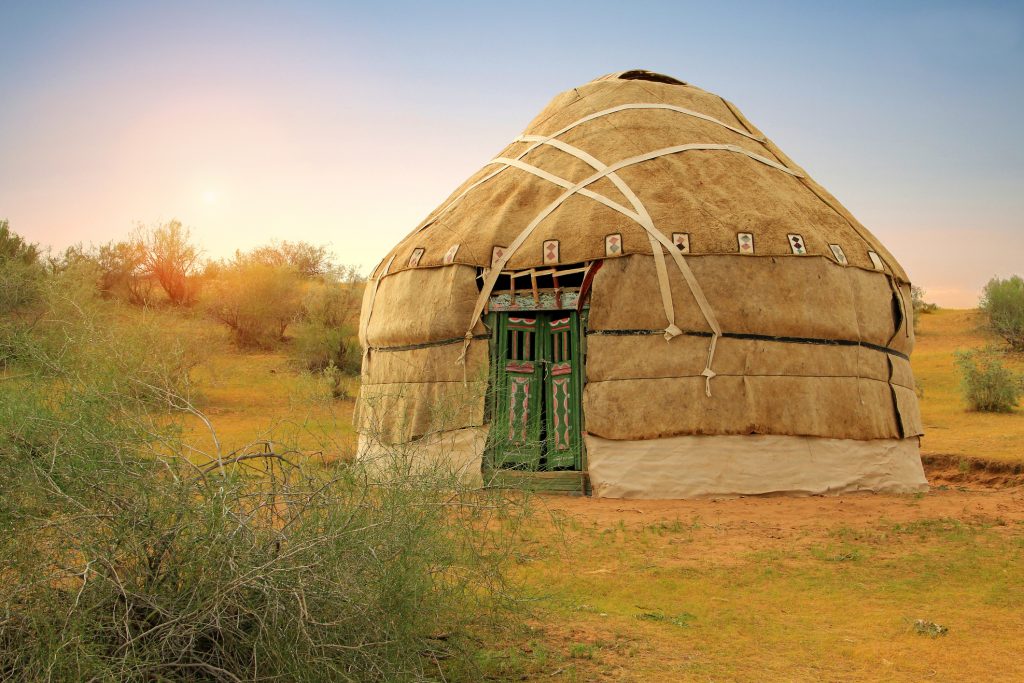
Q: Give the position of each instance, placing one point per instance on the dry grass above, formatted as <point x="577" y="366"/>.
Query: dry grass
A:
<point x="749" y="589"/>
<point x="950" y="428"/>
<point x="252" y="396"/>
<point x="776" y="589"/>
<point x="256" y="396"/>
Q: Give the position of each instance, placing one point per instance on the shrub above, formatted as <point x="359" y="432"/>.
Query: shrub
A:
<point x="123" y="559"/>
<point x="1002" y="301"/>
<point x="920" y="306"/>
<point x="327" y="336"/>
<point x="987" y="385"/>
<point x="21" y="272"/>
<point x="256" y="301"/>
<point x="172" y="260"/>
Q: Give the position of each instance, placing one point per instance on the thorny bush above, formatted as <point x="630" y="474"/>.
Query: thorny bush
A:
<point x="124" y="555"/>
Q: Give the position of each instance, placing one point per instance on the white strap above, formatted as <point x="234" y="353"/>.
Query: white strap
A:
<point x="645" y="221"/>
<point x="578" y="122"/>
<point x="641" y="216"/>
<point x="495" y="270"/>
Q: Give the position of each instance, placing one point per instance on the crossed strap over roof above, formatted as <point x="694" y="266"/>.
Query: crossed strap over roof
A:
<point x="637" y="213"/>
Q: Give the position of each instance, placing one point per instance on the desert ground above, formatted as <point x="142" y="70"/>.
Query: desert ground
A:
<point x="850" y="588"/>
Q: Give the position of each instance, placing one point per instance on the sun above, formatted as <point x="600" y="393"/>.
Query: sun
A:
<point x="211" y="196"/>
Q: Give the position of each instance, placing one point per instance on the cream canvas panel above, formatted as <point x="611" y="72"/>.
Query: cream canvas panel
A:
<point x="457" y="453"/>
<point x="722" y="466"/>
<point x="831" y="407"/>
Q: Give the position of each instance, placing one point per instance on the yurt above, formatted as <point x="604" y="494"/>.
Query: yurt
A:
<point x="642" y="296"/>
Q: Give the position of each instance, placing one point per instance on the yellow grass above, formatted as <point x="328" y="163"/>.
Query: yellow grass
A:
<point x="775" y="589"/>
<point x="949" y="427"/>
<point x="251" y="396"/>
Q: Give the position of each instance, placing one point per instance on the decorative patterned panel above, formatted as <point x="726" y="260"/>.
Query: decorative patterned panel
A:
<point x="613" y="245"/>
<point x="682" y="241"/>
<point x="550" y="252"/>
<point x="449" y="256"/>
<point x="840" y="255"/>
<point x="519" y="409"/>
<point x="745" y="242"/>
<point x="797" y="244"/>
<point x="414" y="259"/>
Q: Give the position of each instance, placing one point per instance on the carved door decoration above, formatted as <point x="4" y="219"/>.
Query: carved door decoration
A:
<point x="562" y="392"/>
<point x="537" y="386"/>
<point x="518" y="393"/>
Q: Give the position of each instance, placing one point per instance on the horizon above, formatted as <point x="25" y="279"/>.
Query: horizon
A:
<point x="346" y="125"/>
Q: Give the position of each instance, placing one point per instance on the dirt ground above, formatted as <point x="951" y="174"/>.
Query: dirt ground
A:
<point x="858" y="587"/>
<point x="757" y="515"/>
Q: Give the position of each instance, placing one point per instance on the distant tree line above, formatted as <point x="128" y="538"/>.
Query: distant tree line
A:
<point x="293" y="293"/>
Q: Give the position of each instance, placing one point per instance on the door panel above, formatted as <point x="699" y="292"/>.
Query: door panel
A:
<point x="537" y="384"/>
<point x="518" y="398"/>
<point x="562" y="391"/>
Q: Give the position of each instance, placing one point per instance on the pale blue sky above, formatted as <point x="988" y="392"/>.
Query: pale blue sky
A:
<point x="347" y="123"/>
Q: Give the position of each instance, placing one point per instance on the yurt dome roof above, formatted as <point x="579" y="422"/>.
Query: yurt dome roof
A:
<point x="686" y="158"/>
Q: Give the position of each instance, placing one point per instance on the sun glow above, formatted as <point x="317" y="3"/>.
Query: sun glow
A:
<point x="211" y="197"/>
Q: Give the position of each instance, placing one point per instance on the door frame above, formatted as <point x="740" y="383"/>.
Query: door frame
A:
<point x="498" y="458"/>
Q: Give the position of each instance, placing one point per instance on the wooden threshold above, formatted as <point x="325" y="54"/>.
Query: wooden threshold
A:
<point x="573" y="483"/>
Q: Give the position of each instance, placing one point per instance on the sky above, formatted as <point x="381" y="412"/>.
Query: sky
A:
<point x="346" y="123"/>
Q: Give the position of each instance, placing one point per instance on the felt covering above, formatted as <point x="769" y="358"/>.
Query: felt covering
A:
<point x="786" y="296"/>
<point x="711" y="195"/>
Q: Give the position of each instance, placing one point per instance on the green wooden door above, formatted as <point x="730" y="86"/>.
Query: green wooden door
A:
<point x="517" y="407"/>
<point x="562" y="392"/>
<point x="537" y="387"/>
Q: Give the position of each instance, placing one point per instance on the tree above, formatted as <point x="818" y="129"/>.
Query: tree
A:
<point x="172" y="260"/>
<point x="21" y="271"/>
<point x="1002" y="301"/>
<point x="327" y="335"/>
<point x="308" y="260"/>
<point x="13" y="247"/>
<point x="256" y="301"/>
<point x="123" y="271"/>
<point x="920" y="306"/>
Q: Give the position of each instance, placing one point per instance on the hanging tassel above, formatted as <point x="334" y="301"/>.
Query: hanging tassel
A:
<point x="461" y="360"/>
<point x="708" y="372"/>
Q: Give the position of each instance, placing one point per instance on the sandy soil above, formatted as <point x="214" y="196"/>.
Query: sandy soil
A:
<point x="780" y="513"/>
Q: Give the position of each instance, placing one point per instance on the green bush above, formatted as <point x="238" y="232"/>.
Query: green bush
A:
<point x="21" y="271"/>
<point x="256" y="301"/>
<point x="1002" y="301"/>
<point x="327" y="336"/>
<point x="128" y="556"/>
<point x="987" y="384"/>
<point x="920" y="306"/>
